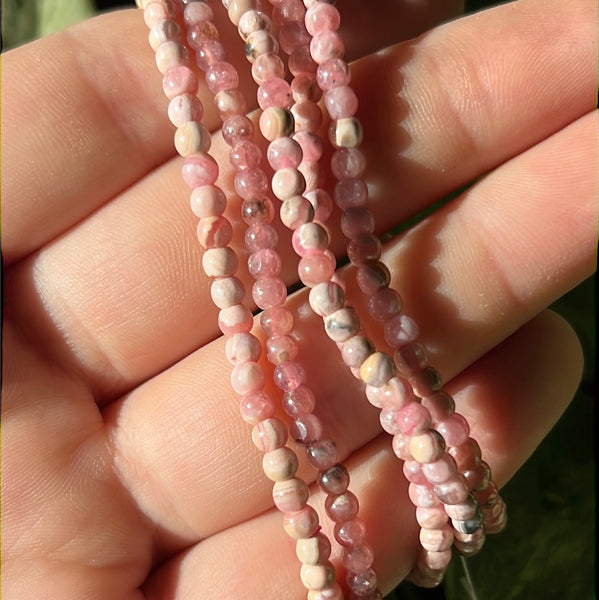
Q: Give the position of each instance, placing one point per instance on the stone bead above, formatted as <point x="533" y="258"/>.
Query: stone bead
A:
<point x="322" y="17"/>
<point x="196" y="12"/>
<point x="358" y="560"/>
<point x="342" y="508"/>
<point x="362" y="584"/>
<point x="192" y="138"/>
<point x="474" y="540"/>
<point x="300" y="63"/>
<point x="299" y="401"/>
<point x="334" y="480"/>
<point x="230" y="102"/>
<point x="276" y="321"/>
<point x="304" y="87"/>
<point x="464" y="510"/>
<point x="350" y="193"/>
<point x="269" y="292"/>
<point x="326" y="45"/>
<point x="237" y="8"/>
<point x="316" y="268"/>
<point x="261" y="235"/>
<point x="154" y="12"/>
<point x="363" y="248"/>
<point x="280" y="464"/>
<point x="350" y="534"/>
<point x="377" y="369"/>
<point x="252" y="21"/>
<point x="452" y="491"/>
<point x="427" y="447"/>
<point x="276" y="122"/>
<point x="322" y="454"/>
<point x="287" y="11"/>
<point x="436" y="540"/>
<point x="267" y="66"/>
<point x="346" y="133"/>
<point x="454" y="429"/>
<point x="410" y="358"/>
<point x="390" y="421"/>
<point x="314" y="175"/>
<point x="341" y="102"/>
<point x="247" y="378"/>
<point x="326" y="298"/>
<point x="333" y="592"/>
<point x="348" y="163"/>
<point x="468" y="526"/>
<point x="163" y="31"/>
<point x="322" y="204"/>
<point x="400" y="448"/>
<point x="245" y="155"/>
<point x="317" y="577"/>
<point x="307" y="116"/>
<point x="170" y="54"/>
<point x="235" y="319"/>
<point x="251" y="183"/>
<point x="221" y="76"/>
<point x="477" y="478"/>
<point x="219" y="262"/>
<point x="400" y="330"/>
<point x="265" y="262"/>
<point x="424" y="577"/>
<point x="412" y="471"/>
<point x="214" y="232"/>
<point x="290" y="495"/>
<point x="184" y="108"/>
<point x="280" y="349"/>
<point x="289" y="375"/>
<point x="467" y="455"/>
<point x="178" y="80"/>
<point x="342" y="324"/>
<point x="311" y="145"/>
<point x="268" y="435"/>
<point x="372" y="277"/>
<point x="357" y="220"/>
<point x="306" y="429"/>
<point x="259" y="43"/>
<point x="293" y="37"/>
<point x="242" y="347"/>
<point x="426" y="382"/>
<point x="208" y="50"/>
<point x="207" y="201"/>
<point x="274" y="92"/>
<point x="310" y="238"/>
<point x="256" y="407"/>
<point x="422" y="495"/>
<point x="333" y="73"/>
<point x="440" y="470"/>
<point x="284" y="153"/>
<point x="393" y="395"/>
<point x="314" y="550"/>
<point x="433" y="517"/>
<point x="257" y="211"/>
<point x="301" y="524"/>
<point x="199" y="169"/>
<point x="227" y="291"/>
<point x="287" y="182"/>
<point x="236" y="128"/>
<point x="295" y="212"/>
<point x="384" y="304"/>
<point x="356" y="350"/>
<point x="437" y="561"/>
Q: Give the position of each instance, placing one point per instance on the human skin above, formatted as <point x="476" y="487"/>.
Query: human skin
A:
<point x="127" y="472"/>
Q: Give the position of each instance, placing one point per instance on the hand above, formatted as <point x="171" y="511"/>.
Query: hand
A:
<point x="127" y="471"/>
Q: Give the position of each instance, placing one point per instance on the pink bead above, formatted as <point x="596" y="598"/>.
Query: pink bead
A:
<point x="221" y="76"/>
<point x="293" y="36"/>
<point x="284" y="152"/>
<point x="335" y="480"/>
<point x="203" y="31"/>
<point x="287" y="182"/>
<point x="372" y="277"/>
<point x="342" y="508"/>
<point x="252" y="21"/>
<point x="306" y="429"/>
<point x="245" y="155"/>
<point x="185" y="108"/>
<point x="300" y="60"/>
<point x="208" y="201"/>
<point x="364" y="247"/>
<point x="170" y="54"/>
<point x="299" y="401"/>
<point x="310" y="238"/>
<point x="356" y="350"/>
<point x="412" y="471"/>
<point x="276" y="122"/>
<point x="436" y="540"/>
<point x="351" y="534"/>
<point x="467" y="455"/>
<point x="341" y="102"/>
<point x="264" y="263"/>
<point x="389" y="421"/>
<point x="311" y="145"/>
<point x="247" y="378"/>
<point x="350" y="192"/>
<point x="333" y="73"/>
<point x="427" y="447"/>
<point x="259" y="43"/>
<point x="348" y="163"/>
<point x="257" y="211"/>
<point x="413" y="418"/>
<point x="452" y="491"/>
<point x="267" y="66"/>
<point x="411" y="358"/>
<point x="322" y="454"/>
<point x="440" y="470"/>
<point x="163" y="31"/>
<point x="199" y="170"/>
<point x="325" y="46"/>
<point x="242" y="347"/>
<point x="422" y="495"/>
<point x="291" y="495"/>
<point x="179" y="80"/>
<point x="356" y="221"/>
<point x="326" y="298"/>
<point x="235" y="319"/>
<point x="287" y="11"/>
<point x="362" y="584"/>
<point x="155" y="12"/>
<point x="230" y="103"/>
<point x="274" y="92"/>
<point x="261" y="235"/>
<point x="342" y="324"/>
<point x="269" y="292"/>
<point x="256" y="407"/>
<point x="394" y="395"/>
<point x="250" y="183"/>
<point x="316" y="268"/>
<point x="440" y="405"/>
<point x="400" y="330"/>
<point x="304" y="87"/>
<point x="276" y="321"/>
<point x="236" y="128"/>
<point x="314" y="175"/>
<point x="214" y="232"/>
<point x="301" y="524"/>
<point x="478" y="478"/>
<point x="377" y="369"/>
<point x="322" y="204"/>
<point x="307" y="116"/>
<point x="280" y="464"/>
<point x="208" y="51"/>
<point x="296" y="211"/>
<point x="400" y="446"/>
<point x="269" y="434"/>
<point x="322" y="17"/>
<point x="196" y="12"/>
<point x="219" y="262"/>
<point x="431" y="518"/>
<point x="289" y="375"/>
<point x="454" y="429"/>
<point x="426" y="382"/>
<point x="358" y="560"/>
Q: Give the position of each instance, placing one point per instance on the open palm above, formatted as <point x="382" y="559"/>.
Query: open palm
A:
<point x="127" y="471"/>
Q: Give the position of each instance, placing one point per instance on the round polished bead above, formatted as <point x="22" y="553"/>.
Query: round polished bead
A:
<point x="256" y="407"/>
<point x="170" y="54"/>
<point x="276" y="321"/>
<point x="358" y="560"/>
<point x="219" y="262"/>
<point x="454" y="429"/>
<point x="433" y="517"/>
<point x="342" y="324"/>
<point x="214" y="232"/>
<point x="362" y="584"/>
<point x="207" y="201"/>
<point x="179" y="80"/>
<point x="334" y="480"/>
<point x="377" y="369"/>
<point x="326" y="298"/>
<point x="316" y="268"/>
<point x="184" y="108"/>
<point x="468" y="526"/>
<point x="221" y="76"/>
<point x="357" y="220"/>
<point x="280" y="349"/>
<point x="326" y="45"/>
<point x="333" y="73"/>
<point x="384" y="304"/>
<point x="155" y="12"/>
<point x="410" y="358"/>
<point x="237" y="127"/>
<point x="477" y="478"/>
<point x="437" y="561"/>
<point x="270" y="434"/>
<point x="287" y="182"/>
<point x="363" y="248"/>
<point x="289" y="375"/>
<point x="265" y="262"/>
<point x="440" y="470"/>
<point x="283" y="153"/>
<point x="301" y="524"/>
<point x="192" y="138"/>
<point x="322" y="454"/>
<point x="422" y="495"/>
<point x="436" y="540"/>
<point x="257" y="211"/>
<point x="400" y="330"/>
<point x="372" y="277"/>
<point x="348" y="163"/>
<point x="242" y="347"/>
<point x="295" y="212"/>
<point x="342" y="508"/>
<point x="247" y="377"/>
<point x="322" y="17"/>
<point x="393" y="395"/>
<point x="307" y="116"/>
<point x="290" y="495"/>
<point x="322" y="204"/>
<point x="164" y="31"/>
<point x="452" y="491"/>
<point x="245" y="155"/>
<point x="311" y="145"/>
<point x="259" y="43"/>
<point x="235" y="319"/>
<point x="252" y="21"/>
<point x="427" y="447"/>
<point x="471" y="546"/>
<point x="269" y="292"/>
<point x="267" y="66"/>
<point x="413" y="419"/>
<point x="400" y="447"/>
<point x="230" y="102"/>
<point x="237" y="8"/>
<point x="314" y="550"/>
<point x="274" y="92"/>
<point x="467" y="455"/>
<point x="389" y="420"/>
<point x="276" y="122"/>
<point x="208" y="50"/>
<point x="310" y="238"/>
<point x="306" y="429"/>
<point x="350" y="534"/>
<point x="426" y="382"/>
<point x="350" y="193"/>
<point x="464" y="510"/>
<point x="412" y="471"/>
<point x="314" y="175"/>
<point x="341" y="102"/>
<point x="199" y="169"/>
<point x="259" y="236"/>
<point x="304" y="86"/>
<point x="346" y="133"/>
<point x="356" y="350"/>
<point x="196" y="12"/>
<point x="299" y="401"/>
<point x="317" y="577"/>
<point x="280" y="464"/>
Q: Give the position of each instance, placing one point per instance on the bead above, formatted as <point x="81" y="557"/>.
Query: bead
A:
<point x="316" y="268"/>
<point x="322" y="454"/>
<point x="377" y="369"/>
<point x="257" y="211"/>
<point x="269" y="292"/>
<point x="290" y="495"/>
<point x="326" y="45"/>
<point x="284" y="152"/>
<point x="268" y="435"/>
<point x="348" y="163"/>
<point x="384" y="304"/>
<point x="426" y="382"/>
<point x="227" y="291"/>
<point x="221" y="76"/>
<point x="214" y="232"/>
<point x="422" y="495"/>
<point x="342" y="324"/>
<point x="295" y="212"/>
<point x="280" y="464"/>
<point x="436" y="540"/>
<point x="306" y="429"/>
<point x="333" y="73"/>
<point x="440" y="470"/>
<point x="280" y="349"/>
<point x="356" y="350"/>
<point x="236" y="128"/>
<point x="276" y="321"/>
<point x="331" y="593"/>
<point x="362" y="583"/>
<point x="247" y="377"/>
<point x="341" y="102"/>
<point x="410" y="358"/>
<point x="184" y="108"/>
<point x="274" y="92"/>
<point x="346" y="133"/>
<point x="467" y="455"/>
<point x="299" y="401"/>
<point x="342" y="508"/>
<point x="356" y="220"/>
<point x="259" y="43"/>
<point x="393" y="395"/>
<point x="427" y="447"/>
<point x="477" y="478"/>
<point x="468" y="526"/>
<point x="289" y="375"/>
<point x="293" y="37"/>
<point x="301" y="524"/>
<point x="334" y="480"/>
<point x="170" y="54"/>
<point x="371" y="277"/>
<point x="350" y="534"/>
<point x="326" y="298"/>
<point x="178" y="80"/>
<point x="230" y="102"/>
<point x="358" y="559"/>
<point x="464" y="510"/>
<point x="307" y="116"/>
<point x="310" y="143"/>
<point x="364" y="247"/>
<point x="267" y="66"/>
<point x="322" y="17"/>
<point x="164" y="31"/>
<point x="199" y="170"/>
<point x="454" y="429"/>
<point x="208" y="50"/>
<point x="433" y="517"/>
<point x="317" y="577"/>
<point x="250" y="183"/>
<point x="235" y="319"/>
<point x="304" y="87"/>
<point x="252" y="21"/>
<point x="260" y="236"/>
<point x="399" y="331"/>
<point x="155" y="12"/>
<point x="437" y="561"/>
<point x="413" y="419"/>
<point x="322" y="204"/>
<point x="196" y="12"/>
<point x="313" y="550"/>
<point x="314" y="175"/>
<point x="219" y="262"/>
<point x="287" y="182"/>
<point x="276" y="122"/>
<point x="256" y="407"/>
<point x="452" y="491"/>
<point x="389" y="421"/>
<point x="242" y="347"/>
<point x="349" y="193"/>
<point x="191" y="138"/>
<point x="245" y="155"/>
<point x="237" y="8"/>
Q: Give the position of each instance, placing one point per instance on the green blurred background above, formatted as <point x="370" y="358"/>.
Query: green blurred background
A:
<point x="548" y="549"/>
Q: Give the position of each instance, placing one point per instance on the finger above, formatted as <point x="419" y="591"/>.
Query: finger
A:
<point x="103" y="124"/>
<point x="512" y="403"/>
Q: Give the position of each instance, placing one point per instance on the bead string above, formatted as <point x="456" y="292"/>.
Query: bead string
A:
<point x="424" y="421"/>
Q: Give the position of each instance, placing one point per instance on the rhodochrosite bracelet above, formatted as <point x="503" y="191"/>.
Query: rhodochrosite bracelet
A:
<point x="296" y="56"/>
